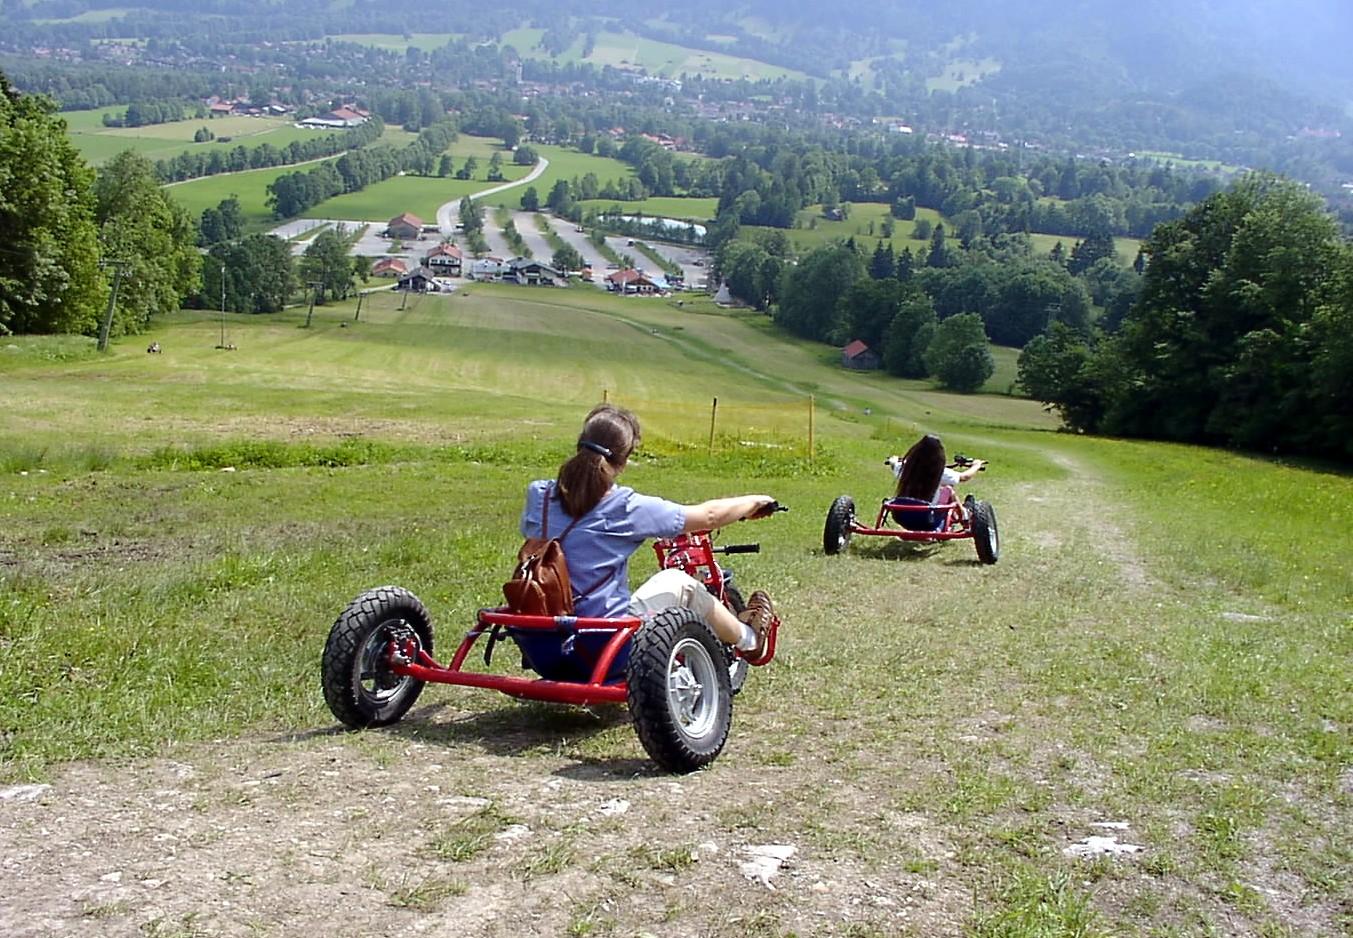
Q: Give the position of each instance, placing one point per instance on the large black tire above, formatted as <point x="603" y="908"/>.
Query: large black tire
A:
<point x="737" y="666"/>
<point x="678" y="690"/>
<point x="358" y="684"/>
<point x="984" y="532"/>
<point x="840" y="517"/>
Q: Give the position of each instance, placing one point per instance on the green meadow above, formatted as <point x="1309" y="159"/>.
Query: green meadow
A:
<point x="688" y="209"/>
<point x="99" y="144"/>
<point x="421" y="195"/>
<point x="865" y="225"/>
<point x="1163" y="646"/>
<point x="250" y="187"/>
<point x="615" y="49"/>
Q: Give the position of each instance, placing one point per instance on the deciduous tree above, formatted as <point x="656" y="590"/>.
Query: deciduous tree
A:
<point x="49" y="249"/>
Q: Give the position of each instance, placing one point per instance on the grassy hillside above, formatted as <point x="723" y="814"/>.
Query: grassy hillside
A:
<point x="1163" y="645"/>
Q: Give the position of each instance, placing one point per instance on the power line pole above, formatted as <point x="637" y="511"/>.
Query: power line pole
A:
<point x="314" y="294"/>
<point x="119" y="268"/>
<point x="355" y="315"/>
<point x="223" y="272"/>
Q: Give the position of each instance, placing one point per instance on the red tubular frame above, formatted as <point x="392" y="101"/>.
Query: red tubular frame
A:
<point x="693" y="553"/>
<point x="953" y="528"/>
<point x="595" y="690"/>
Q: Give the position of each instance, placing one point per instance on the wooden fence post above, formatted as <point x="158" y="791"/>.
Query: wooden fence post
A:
<point x="713" y="409"/>
<point x="810" y="427"/>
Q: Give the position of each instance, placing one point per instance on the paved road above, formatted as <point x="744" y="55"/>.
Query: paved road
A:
<point x="531" y="234"/>
<point x="498" y="246"/>
<point x="578" y="241"/>
<point x="446" y="215"/>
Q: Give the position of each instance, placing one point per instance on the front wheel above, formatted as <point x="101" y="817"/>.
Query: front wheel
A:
<point x="678" y="691"/>
<point x="984" y="533"/>
<point x="359" y="685"/>
<point x="840" y="519"/>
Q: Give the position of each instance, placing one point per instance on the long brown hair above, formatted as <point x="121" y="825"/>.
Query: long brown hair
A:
<point x="609" y="435"/>
<point x="922" y="468"/>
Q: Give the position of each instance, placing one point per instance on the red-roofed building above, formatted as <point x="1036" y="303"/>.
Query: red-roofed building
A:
<point x="406" y="225"/>
<point x="630" y="281"/>
<point x="860" y="357"/>
<point x="389" y="267"/>
<point x="445" y="260"/>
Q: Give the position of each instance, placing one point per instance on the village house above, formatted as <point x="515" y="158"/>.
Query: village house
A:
<point x="389" y="267"/>
<point x="405" y="226"/>
<point x="337" y="119"/>
<point x="487" y="268"/>
<point x="528" y="272"/>
<point x="860" y="357"/>
<point x="445" y="260"/>
<point x="418" y="280"/>
<point x="632" y="281"/>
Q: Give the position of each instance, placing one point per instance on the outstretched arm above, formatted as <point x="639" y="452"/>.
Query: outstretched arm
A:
<point x="718" y="512"/>
<point x="972" y="470"/>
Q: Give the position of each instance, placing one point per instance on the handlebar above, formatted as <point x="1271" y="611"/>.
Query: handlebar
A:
<point x="738" y="549"/>
<point x="765" y="511"/>
<point x="963" y="462"/>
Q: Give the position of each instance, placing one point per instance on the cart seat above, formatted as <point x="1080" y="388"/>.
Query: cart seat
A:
<point x="915" y="514"/>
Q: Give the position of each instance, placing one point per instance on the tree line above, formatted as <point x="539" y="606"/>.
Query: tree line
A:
<point x="69" y="234"/>
<point x="194" y="164"/>
<point x="1241" y="335"/>
<point x="291" y="194"/>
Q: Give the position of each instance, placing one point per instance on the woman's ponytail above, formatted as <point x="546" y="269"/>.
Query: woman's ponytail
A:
<point x="608" y="436"/>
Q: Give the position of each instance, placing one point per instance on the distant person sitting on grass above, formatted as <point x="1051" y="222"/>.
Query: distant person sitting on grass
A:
<point x="604" y="523"/>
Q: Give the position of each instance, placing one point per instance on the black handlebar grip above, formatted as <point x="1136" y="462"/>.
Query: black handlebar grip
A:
<point x="738" y="549"/>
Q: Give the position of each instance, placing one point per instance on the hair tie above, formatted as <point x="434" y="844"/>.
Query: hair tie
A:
<point x="596" y="448"/>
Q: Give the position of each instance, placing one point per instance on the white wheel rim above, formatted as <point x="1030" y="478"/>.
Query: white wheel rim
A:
<point x="692" y="688"/>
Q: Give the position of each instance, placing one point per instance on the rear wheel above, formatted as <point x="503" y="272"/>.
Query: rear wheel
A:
<point x="359" y="685"/>
<point x="984" y="533"/>
<point x="678" y="690"/>
<point x="840" y="518"/>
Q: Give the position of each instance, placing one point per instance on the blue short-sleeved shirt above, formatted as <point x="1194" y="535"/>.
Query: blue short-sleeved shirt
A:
<point x="599" y="547"/>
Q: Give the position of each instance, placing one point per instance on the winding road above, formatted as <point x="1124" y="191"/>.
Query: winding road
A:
<point x="446" y="218"/>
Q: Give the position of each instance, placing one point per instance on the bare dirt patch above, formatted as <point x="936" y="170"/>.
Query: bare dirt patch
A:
<point x="330" y="833"/>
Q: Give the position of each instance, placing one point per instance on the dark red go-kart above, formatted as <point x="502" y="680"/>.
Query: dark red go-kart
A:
<point x="676" y="676"/>
<point x="914" y="519"/>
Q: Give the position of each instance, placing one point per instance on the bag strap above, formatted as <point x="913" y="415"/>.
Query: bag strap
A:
<point x="545" y="517"/>
<point x="545" y="535"/>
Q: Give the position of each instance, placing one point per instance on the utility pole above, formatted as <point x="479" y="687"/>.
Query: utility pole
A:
<point x="314" y="294"/>
<point x="223" y="272"/>
<point x="355" y="315"/>
<point x="119" y="267"/>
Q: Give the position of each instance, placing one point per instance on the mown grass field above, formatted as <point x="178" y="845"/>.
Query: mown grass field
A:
<point x="1164" y="644"/>
<point x="616" y="49"/>
<point x="865" y="225"/>
<point x="99" y="144"/>
<point x="422" y="195"/>
<point x="688" y="209"/>
<point x="250" y="187"/>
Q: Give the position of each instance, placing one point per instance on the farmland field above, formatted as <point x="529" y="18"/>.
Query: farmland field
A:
<point x="251" y="188"/>
<point x="1158" y="662"/>
<point x="865" y="226"/>
<point x="687" y="209"/>
<point x="162" y="141"/>
<point x="418" y="194"/>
